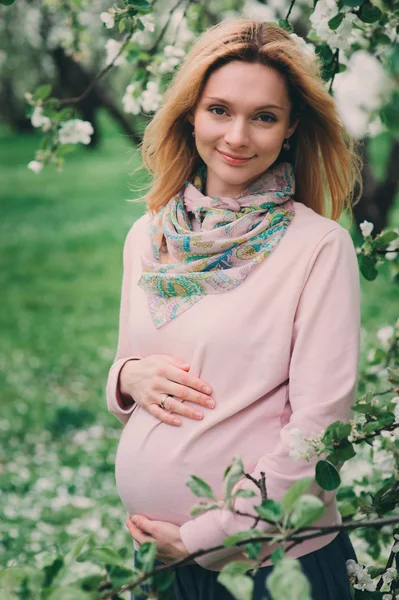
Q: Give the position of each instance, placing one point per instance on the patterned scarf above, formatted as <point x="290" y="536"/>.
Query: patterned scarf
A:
<point x="235" y="235"/>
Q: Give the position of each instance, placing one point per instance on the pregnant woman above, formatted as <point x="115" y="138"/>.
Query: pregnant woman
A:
<point x="239" y="317"/>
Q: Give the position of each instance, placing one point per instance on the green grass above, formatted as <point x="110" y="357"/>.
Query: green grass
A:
<point x="61" y="244"/>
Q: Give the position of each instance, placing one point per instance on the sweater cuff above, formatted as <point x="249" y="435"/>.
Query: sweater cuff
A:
<point x="204" y="532"/>
<point x="114" y="397"/>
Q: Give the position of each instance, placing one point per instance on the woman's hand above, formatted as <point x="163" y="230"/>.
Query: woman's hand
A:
<point x="149" y="379"/>
<point x="167" y="535"/>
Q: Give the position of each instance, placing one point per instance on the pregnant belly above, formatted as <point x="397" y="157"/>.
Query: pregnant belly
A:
<point x="154" y="462"/>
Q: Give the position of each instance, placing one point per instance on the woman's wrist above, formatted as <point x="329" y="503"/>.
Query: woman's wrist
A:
<point x="125" y="397"/>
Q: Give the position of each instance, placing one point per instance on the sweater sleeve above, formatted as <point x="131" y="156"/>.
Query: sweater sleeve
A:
<point x="322" y="386"/>
<point x="124" y="351"/>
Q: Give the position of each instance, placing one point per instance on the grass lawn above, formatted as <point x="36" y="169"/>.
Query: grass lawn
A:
<point x="61" y="264"/>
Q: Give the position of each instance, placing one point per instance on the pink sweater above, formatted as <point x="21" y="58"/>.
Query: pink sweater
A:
<point x="280" y="351"/>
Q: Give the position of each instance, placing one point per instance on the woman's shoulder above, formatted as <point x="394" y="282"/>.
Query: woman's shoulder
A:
<point x="312" y="227"/>
<point x="138" y="228"/>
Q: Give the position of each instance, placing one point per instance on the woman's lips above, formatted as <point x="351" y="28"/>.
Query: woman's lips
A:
<point x="234" y="161"/>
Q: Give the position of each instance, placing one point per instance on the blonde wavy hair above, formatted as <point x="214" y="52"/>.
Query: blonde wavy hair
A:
<point x="326" y="162"/>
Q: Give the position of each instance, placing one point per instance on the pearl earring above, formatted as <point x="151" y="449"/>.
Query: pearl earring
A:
<point x="286" y="144"/>
<point x="193" y="134"/>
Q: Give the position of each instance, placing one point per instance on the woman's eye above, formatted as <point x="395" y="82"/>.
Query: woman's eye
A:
<point x="216" y="108"/>
<point x="270" y="117"/>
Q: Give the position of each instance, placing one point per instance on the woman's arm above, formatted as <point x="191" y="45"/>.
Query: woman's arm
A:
<point x="322" y="385"/>
<point x="119" y="404"/>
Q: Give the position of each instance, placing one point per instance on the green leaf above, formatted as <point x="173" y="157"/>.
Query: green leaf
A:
<point x="352" y="3"/>
<point x="336" y="21"/>
<point x="384" y="239"/>
<point x="306" y="510"/>
<point x="244" y="493"/>
<point x="232" y="540"/>
<point x="103" y="555"/>
<point x="284" y="24"/>
<point x="287" y="581"/>
<point x="234" y="474"/>
<point x="277" y="555"/>
<point x="369" y="13"/>
<point x="7" y="2"/>
<point x="120" y="575"/>
<point x="233" y="578"/>
<point x="270" y="510"/>
<point x="146" y="556"/>
<point x="43" y="91"/>
<point x="324" y="52"/>
<point x="200" y="488"/>
<point x="69" y="592"/>
<point x="393" y="374"/>
<point x="362" y="408"/>
<point x="327" y="475"/>
<point x="368" y="267"/>
<point x="51" y="571"/>
<point x="77" y="548"/>
<point x="295" y="491"/>
<point x="345" y="452"/>
<point x="197" y="509"/>
<point x="375" y="571"/>
<point x="336" y="432"/>
<point x="140" y="5"/>
<point x="253" y="549"/>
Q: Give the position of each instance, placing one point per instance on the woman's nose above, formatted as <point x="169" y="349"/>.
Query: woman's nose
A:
<point x="237" y="134"/>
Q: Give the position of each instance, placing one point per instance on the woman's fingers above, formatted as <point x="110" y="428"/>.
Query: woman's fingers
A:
<point x="163" y="415"/>
<point x="138" y="534"/>
<point x="178" y="407"/>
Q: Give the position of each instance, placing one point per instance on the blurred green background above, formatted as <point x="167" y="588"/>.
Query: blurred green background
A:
<point x="61" y="242"/>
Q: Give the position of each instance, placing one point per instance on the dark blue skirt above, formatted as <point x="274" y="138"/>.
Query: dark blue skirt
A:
<point x="325" y="569"/>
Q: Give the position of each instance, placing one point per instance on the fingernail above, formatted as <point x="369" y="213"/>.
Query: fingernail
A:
<point x="206" y="389"/>
<point x="210" y="403"/>
<point x="198" y="415"/>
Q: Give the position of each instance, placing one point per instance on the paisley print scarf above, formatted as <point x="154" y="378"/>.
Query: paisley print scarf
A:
<point x="232" y="235"/>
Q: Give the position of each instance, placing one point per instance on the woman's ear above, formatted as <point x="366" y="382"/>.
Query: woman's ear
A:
<point x="292" y="128"/>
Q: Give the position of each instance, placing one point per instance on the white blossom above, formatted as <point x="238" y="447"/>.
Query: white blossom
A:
<point x="351" y="567"/>
<point x="35" y="165"/>
<point x="148" y="22"/>
<point x="387" y="597"/>
<point x="356" y="103"/>
<point x="107" y="19"/>
<point x="308" y="49"/>
<point x="364" y="581"/>
<point x="366" y="228"/>
<point x="384" y="461"/>
<point x="75" y="131"/>
<point x="392" y="247"/>
<point x="173" y="57"/>
<point x="385" y="335"/>
<point x="338" y="38"/>
<point x="389" y="575"/>
<point x="151" y="97"/>
<point x="113" y="47"/>
<point x="130" y="103"/>
<point x="39" y="120"/>
<point x="301" y="447"/>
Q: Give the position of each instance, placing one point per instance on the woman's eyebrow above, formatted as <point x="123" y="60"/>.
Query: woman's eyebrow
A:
<point x="258" y="108"/>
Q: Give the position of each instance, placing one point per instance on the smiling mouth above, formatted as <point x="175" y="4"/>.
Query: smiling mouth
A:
<point x="236" y="157"/>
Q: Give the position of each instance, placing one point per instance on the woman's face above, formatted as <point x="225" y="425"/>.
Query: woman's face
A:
<point x="244" y="112"/>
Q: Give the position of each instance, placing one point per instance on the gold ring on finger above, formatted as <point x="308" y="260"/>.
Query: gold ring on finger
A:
<point x="162" y="403"/>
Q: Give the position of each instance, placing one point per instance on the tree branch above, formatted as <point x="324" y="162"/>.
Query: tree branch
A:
<point x="296" y="539"/>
